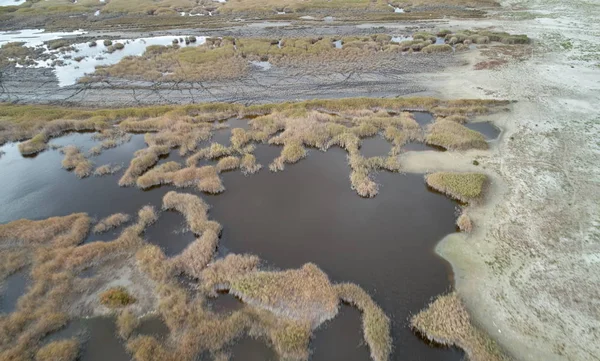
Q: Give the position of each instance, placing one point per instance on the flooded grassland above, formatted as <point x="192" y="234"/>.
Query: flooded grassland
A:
<point x="222" y="231"/>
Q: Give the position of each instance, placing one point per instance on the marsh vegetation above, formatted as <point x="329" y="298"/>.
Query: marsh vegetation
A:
<point x="282" y="308"/>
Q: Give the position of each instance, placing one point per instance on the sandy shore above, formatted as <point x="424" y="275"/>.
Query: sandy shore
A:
<point x="530" y="273"/>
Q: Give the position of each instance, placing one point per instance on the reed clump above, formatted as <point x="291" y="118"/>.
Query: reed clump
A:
<point x="116" y="297"/>
<point x="75" y="160"/>
<point x="219" y="274"/>
<point x="127" y="322"/>
<point x="447" y="322"/>
<point x="249" y="165"/>
<point x="107" y="169"/>
<point x="464" y="222"/>
<point x="304" y="294"/>
<point x="64" y="350"/>
<point x="33" y="145"/>
<point x="198" y="254"/>
<point x="194" y="209"/>
<point x="465" y="187"/>
<point x="110" y="222"/>
<point x="454" y="136"/>
<point x="228" y="163"/>
<point x="144" y="159"/>
<point x="376" y="325"/>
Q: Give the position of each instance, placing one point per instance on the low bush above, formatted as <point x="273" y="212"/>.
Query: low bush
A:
<point x="116" y="297"/>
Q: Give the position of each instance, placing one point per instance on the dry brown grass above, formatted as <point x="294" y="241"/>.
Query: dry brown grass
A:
<point x="304" y="294"/>
<point x="376" y="325"/>
<point x="198" y="254"/>
<point x="248" y="164"/>
<point x="464" y="222"/>
<point x="447" y="322"/>
<point x="107" y="169"/>
<point x="144" y="159"/>
<point x="110" y="222"/>
<point x="64" y="350"/>
<point x="127" y="322"/>
<point x="291" y="153"/>
<point x="228" y="163"/>
<point x="193" y="209"/>
<point x="454" y="136"/>
<point x="466" y="187"/>
<point x="75" y="160"/>
<point x="219" y="274"/>
<point x="116" y="297"/>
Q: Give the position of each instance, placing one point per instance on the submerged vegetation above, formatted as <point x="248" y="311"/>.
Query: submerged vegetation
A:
<point x="447" y="322"/>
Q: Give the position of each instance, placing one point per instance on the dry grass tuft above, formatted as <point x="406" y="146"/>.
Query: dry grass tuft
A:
<point x="110" y="222"/>
<point x="198" y="254"/>
<point x="74" y="159"/>
<point x="116" y="297"/>
<point x="464" y="222"/>
<point x="193" y="209"/>
<point x="304" y="294"/>
<point x="33" y="145"/>
<point x="447" y="322"/>
<point x="376" y="325"/>
<point x="107" y="169"/>
<point x="144" y="159"/>
<point x="219" y="274"/>
<point x="228" y="163"/>
<point x="454" y="136"/>
<point x="465" y="187"/>
<point x="64" y="350"/>
<point x="127" y="322"/>
<point x="248" y="164"/>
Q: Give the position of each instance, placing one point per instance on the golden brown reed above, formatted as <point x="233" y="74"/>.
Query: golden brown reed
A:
<point x="144" y="159"/>
<point x="454" y="136"/>
<point x="127" y="322"/>
<point x="193" y="209"/>
<point x="75" y="160"/>
<point x="63" y="350"/>
<point x="447" y="322"/>
<point x="376" y="325"/>
<point x="110" y="222"/>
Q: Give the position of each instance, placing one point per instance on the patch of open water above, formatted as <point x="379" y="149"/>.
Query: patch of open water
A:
<point x="11" y="289"/>
<point x="489" y="130"/>
<point x="307" y="213"/>
<point x="11" y="2"/>
<point x="81" y="58"/>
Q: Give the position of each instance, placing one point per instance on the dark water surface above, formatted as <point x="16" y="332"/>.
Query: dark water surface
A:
<point x="375" y="146"/>
<point x="307" y="213"/>
<point x="12" y="288"/>
<point x="489" y="130"/>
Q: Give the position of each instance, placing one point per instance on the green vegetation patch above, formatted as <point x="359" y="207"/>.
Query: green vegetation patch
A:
<point x="465" y="187"/>
<point x="454" y="136"/>
<point x="116" y="297"/>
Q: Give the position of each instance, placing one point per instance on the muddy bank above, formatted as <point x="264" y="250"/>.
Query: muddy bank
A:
<point x="395" y="76"/>
<point x="529" y="274"/>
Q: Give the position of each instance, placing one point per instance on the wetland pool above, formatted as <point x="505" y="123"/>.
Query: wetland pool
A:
<point x="306" y="213"/>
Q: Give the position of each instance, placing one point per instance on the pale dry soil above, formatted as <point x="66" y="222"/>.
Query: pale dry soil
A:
<point x="530" y="272"/>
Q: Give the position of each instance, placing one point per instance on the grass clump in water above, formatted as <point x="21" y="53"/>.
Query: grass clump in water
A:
<point x="304" y="294"/>
<point x="107" y="169"/>
<point x="454" y="136"/>
<point x="75" y="160"/>
<point x="447" y="322"/>
<point x="116" y="297"/>
<point x="228" y="163"/>
<point x="144" y="159"/>
<point x="248" y="164"/>
<point x="110" y="222"/>
<point x="64" y="350"/>
<point x="33" y="145"/>
<point x="465" y="187"/>
<point x="194" y="210"/>
<point x="376" y="325"/>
